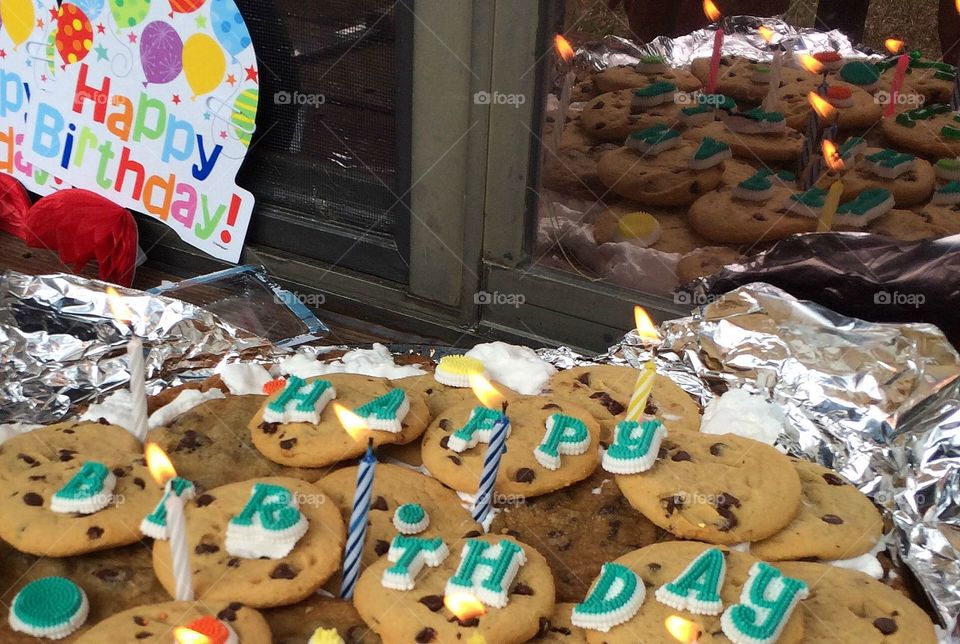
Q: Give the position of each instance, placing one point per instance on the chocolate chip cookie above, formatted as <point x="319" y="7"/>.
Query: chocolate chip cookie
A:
<point x="295" y="624"/>
<point x="609" y="117"/>
<point x="628" y="77"/>
<point x="720" y="489"/>
<point x="662" y="180"/>
<point x="155" y="622"/>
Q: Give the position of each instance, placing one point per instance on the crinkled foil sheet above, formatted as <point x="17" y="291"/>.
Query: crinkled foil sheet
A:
<point x="60" y="345"/>
<point x="874" y="401"/>
<point x="880" y="403"/>
<point x="742" y="39"/>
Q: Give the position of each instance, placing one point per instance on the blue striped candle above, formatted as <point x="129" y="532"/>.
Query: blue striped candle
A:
<point x="483" y="504"/>
<point x="357" y="533"/>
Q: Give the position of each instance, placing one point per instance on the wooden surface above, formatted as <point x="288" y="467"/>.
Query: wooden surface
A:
<point x="15" y="255"/>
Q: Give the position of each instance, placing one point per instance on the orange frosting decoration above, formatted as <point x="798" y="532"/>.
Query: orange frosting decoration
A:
<point x="274" y="386"/>
<point x="212" y="627"/>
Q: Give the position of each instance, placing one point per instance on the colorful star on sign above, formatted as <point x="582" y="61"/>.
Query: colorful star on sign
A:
<point x="40" y="23"/>
<point x="251" y="74"/>
<point x="43" y="78"/>
<point x="176" y="99"/>
<point x="232" y="80"/>
<point x="201" y="22"/>
<point x="101" y="52"/>
<point x="3" y="54"/>
<point x="223" y="134"/>
<point x="132" y="37"/>
<point x="101" y="29"/>
<point x="54" y="13"/>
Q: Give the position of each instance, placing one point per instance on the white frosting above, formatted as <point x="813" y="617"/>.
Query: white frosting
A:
<point x="550" y="461"/>
<point x="291" y="413"/>
<point x="605" y="621"/>
<point x="519" y="368"/>
<point x="9" y="430"/>
<point x="407" y="528"/>
<point x="244" y="378"/>
<point x="744" y="414"/>
<point x="255" y="540"/>
<point x="88" y="504"/>
<point x="407" y="579"/>
<point x="690" y="602"/>
<point x="867" y="563"/>
<point x="496" y="599"/>
<point x="394" y="424"/>
<point x="483" y="434"/>
<point x="184" y="402"/>
<point x="637" y="464"/>
<point x="741" y="547"/>
<point x="468" y="500"/>
<point x="116" y="409"/>
<point x="377" y="362"/>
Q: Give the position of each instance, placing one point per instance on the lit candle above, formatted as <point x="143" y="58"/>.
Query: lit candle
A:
<point x="565" y="53"/>
<point x="641" y="392"/>
<point x="776" y="71"/>
<point x="482" y="510"/>
<point x="714" y="15"/>
<point x="138" y="385"/>
<point x="357" y="532"/>
<point x="820" y="111"/>
<point x="830" y="207"/>
<point x="899" y="75"/>
<point x="682" y="630"/>
<point x="161" y="469"/>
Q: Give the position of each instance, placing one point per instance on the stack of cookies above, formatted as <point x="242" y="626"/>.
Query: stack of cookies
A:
<point x="604" y="529"/>
<point x="649" y="142"/>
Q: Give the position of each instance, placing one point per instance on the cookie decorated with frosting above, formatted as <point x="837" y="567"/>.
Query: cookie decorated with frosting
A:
<point x="932" y="130"/>
<point x="720" y="489"/>
<point x="552" y="443"/>
<point x="854" y="108"/>
<point x="155" y="623"/>
<point x="738" y="77"/>
<point x="605" y="391"/>
<point x="663" y="566"/>
<point x="560" y="628"/>
<point x="775" y="147"/>
<point x="72" y="489"/>
<point x="748" y="221"/>
<point x="835" y="521"/>
<point x="393" y="487"/>
<point x="658" y="179"/>
<point x="332" y="618"/>
<point x="510" y="578"/>
<point x="849" y="606"/>
<point x="439" y="396"/>
<point x="910" y="180"/>
<point x="930" y="222"/>
<point x="613" y="117"/>
<point x="645" y="73"/>
<point x="393" y="415"/>
<point x="264" y="542"/>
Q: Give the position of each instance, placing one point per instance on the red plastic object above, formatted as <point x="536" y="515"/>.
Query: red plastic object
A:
<point x="81" y="225"/>
<point x="14" y="204"/>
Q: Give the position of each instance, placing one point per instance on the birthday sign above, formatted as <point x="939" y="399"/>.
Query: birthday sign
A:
<point x="150" y="104"/>
<point x="17" y="21"/>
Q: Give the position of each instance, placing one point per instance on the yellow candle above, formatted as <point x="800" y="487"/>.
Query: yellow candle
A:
<point x="830" y="207"/>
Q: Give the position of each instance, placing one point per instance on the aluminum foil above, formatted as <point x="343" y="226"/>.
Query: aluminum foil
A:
<point x="742" y="39"/>
<point x="60" y="345"/>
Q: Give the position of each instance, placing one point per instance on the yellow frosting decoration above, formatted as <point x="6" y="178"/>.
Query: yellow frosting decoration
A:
<point x="326" y="636"/>
<point x="461" y="366"/>
<point x="638" y="225"/>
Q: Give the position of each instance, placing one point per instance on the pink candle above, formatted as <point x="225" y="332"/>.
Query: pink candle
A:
<point x="898" y="77"/>
<point x="715" y="62"/>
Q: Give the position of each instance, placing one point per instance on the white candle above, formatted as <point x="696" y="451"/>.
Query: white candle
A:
<point x="776" y="73"/>
<point x="565" y="93"/>
<point x="180" y="556"/>
<point x="138" y="388"/>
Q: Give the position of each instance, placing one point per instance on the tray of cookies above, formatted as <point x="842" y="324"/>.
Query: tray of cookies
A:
<point x="765" y="470"/>
<point x="672" y="162"/>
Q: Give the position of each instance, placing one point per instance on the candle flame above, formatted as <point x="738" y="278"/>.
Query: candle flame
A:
<point x="161" y="469"/>
<point x="477" y="638"/>
<point x="832" y="156"/>
<point x="682" y="630"/>
<point x="183" y="635"/>
<point x="767" y="33"/>
<point x="895" y="46"/>
<point x="958" y="6"/>
<point x="464" y="605"/>
<point x="711" y="10"/>
<point x="120" y="311"/>
<point x="821" y="105"/>
<point x="484" y="390"/>
<point x="810" y="64"/>
<point x="352" y="423"/>
<point x="646" y="328"/>
<point x="564" y="50"/>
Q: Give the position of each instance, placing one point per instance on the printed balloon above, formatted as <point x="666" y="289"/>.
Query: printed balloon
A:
<point x="91" y="8"/>
<point x="18" y="17"/>
<point x="229" y="27"/>
<point x="74" y="34"/>
<point x="161" y="52"/>
<point x="129" y="13"/>
<point x="203" y="63"/>
<point x="51" y="50"/>
<point x="186" y="6"/>
<point x="245" y="115"/>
